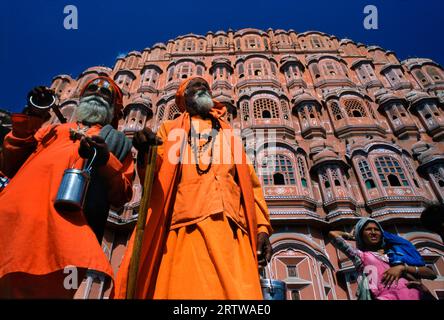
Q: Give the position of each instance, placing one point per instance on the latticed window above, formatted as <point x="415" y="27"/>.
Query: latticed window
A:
<point x="335" y="174"/>
<point x="292" y="72"/>
<point x="174" y="112"/>
<point x="221" y="41"/>
<point x="186" y="70"/>
<point x="170" y="74"/>
<point x="284" y="107"/>
<point x="336" y="110"/>
<point x="252" y="43"/>
<point x="188" y="45"/>
<point x="278" y="170"/>
<point x="365" y="72"/>
<point x="370" y="109"/>
<point x="265" y="108"/>
<point x="421" y="76"/>
<point x="160" y="112"/>
<point x="438" y="176"/>
<point x="257" y="68"/>
<point x="316" y="42"/>
<point x="434" y="73"/>
<point x="315" y="70"/>
<point x="311" y="111"/>
<point x="302" y="171"/>
<point x="390" y="172"/>
<point x="411" y="171"/>
<point x="199" y="70"/>
<point x="273" y="68"/>
<point x="325" y="180"/>
<point x="240" y="70"/>
<point x="245" y="110"/>
<point x="366" y="174"/>
<point x="329" y="68"/>
<point x="354" y="108"/>
<point x="238" y="44"/>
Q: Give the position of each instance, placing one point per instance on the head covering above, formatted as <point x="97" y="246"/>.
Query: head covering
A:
<point x="181" y="104"/>
<point x="360" y="227"/>
<point x="117" y="97"/>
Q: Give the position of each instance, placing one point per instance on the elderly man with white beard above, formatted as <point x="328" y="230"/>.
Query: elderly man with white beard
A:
<point x="45" y="249"/>
<point x="208" y="225"/>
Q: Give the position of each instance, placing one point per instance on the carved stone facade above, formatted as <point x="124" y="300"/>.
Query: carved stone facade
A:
<point x="357" y="133"/>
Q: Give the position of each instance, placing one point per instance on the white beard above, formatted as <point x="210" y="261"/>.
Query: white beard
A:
<point x="202" y="102"/>
<point x="93" y="110"/>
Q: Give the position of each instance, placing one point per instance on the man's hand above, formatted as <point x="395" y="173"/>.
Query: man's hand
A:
<point x="392" y="275"/>
<point x="41" y="96"/>
<point x="86" y="150"/>
<point x="144" y="139"/>
<point x="264" y="249"/>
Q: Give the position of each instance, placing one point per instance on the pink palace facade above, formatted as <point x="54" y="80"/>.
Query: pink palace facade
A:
<point x="358" y="133"/>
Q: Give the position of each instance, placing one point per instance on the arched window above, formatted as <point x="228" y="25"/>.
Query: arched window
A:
<point x="325" y="180"/>
<point x="421" y="76"/>
<point x="316" y="42"/>
<point x="393" y="180"/>
<point x="257" y="68"/>
<point x="240" y="70"/>
<point x="174" y="112"/>
<point x="370" y="109"/>
<point x="366" y="174"/>
<point x="278" y="179"/>
<point x="252" y="43"/>
<point x="245" y="110"/>
<point x="265" y="104"/>
<point x="433" y="72"/>
<point x="390" y="172"/>
<point x="278" y="170"/>
<point x="284" y="108"/>
<point x="336" y="177"/>
<point x="266" y="114"/>
<point x="315" y="70"/>
<point x="302" y="171"/>
<point x="438" y="176"/>
<point x="160" y="112"/>
<point x="170" y="74"/>
<point x="186" y="70"/>
<point x="354" y="108"/>
<point x="336" y="110"/>
<point x="188" y="45"/>
<point x="199" y="70"/>
<point x="411" y="171"/>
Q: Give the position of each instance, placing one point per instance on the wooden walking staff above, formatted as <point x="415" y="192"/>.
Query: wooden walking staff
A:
<point x="140" y="227"/>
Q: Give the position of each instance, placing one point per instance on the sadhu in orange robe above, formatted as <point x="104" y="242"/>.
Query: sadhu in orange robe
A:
<point x="37" y="242"/>
<point x="200" y="236"/>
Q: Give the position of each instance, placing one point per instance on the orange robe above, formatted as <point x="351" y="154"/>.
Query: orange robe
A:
<point x="209" y="250"/>
<point x="35" y="239"/>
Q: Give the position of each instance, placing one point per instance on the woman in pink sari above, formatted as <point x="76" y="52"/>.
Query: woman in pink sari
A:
<point x="379" y="278"/>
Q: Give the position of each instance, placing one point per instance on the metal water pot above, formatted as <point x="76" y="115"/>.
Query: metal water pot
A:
<point x="273" y="289"/>
<point x="72" y="190"/>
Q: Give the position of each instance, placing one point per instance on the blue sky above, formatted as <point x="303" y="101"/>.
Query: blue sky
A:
<point x="34" y="45"/>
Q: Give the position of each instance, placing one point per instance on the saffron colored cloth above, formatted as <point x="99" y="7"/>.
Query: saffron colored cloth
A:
<point x="35" y="239"/>
<point x="373" y="265"/>
<point x="201" y="231"/>
<point x="211" y="259"/>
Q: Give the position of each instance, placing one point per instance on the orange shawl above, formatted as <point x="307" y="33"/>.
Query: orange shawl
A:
<point x="159" y="214"/>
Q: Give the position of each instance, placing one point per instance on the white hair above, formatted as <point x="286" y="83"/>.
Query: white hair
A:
<point x="202" y="101"/>
<point x="94" y="110"/>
